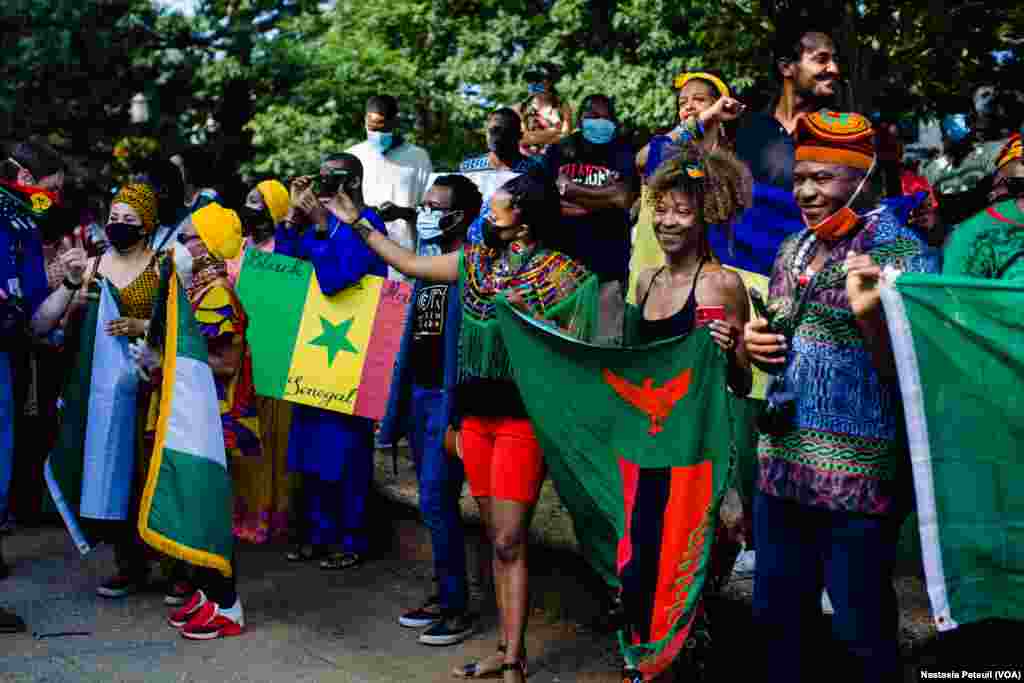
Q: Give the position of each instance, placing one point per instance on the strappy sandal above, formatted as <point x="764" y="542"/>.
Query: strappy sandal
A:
<point x="519" y="666"/>
<point x="472" y="670"/>
<point x="338" y="561"/>
<point x="306" y="553"/>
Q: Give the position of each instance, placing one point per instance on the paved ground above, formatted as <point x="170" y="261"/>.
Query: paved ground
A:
<point x="307" y="625"/>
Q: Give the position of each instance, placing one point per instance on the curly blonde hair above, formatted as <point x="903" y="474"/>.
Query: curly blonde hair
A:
<point x="722" y="183"/>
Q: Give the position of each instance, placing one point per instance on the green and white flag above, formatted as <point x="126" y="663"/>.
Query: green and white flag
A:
<point x="186" y="505"/>
<point x="959" y="349"/>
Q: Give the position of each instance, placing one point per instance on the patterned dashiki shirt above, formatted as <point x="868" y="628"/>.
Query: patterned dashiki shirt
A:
<point x="846" y="450"/>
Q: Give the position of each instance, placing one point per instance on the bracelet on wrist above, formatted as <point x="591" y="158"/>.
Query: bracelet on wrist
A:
<point x="71" y="286"/>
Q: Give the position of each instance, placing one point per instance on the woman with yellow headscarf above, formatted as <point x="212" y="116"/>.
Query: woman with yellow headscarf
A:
<point x="99" y="449"/>
<point x="263" y="484"/>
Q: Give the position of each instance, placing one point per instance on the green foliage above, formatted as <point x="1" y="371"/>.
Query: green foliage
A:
<point x="285" y="81"/>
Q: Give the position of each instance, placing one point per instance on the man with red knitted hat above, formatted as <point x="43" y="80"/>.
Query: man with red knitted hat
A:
<point x="833" y="486"/>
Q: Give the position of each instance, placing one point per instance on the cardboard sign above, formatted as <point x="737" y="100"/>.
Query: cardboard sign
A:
<point x="335" y="353"/>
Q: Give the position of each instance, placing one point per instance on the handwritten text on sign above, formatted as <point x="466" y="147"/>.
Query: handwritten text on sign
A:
<point x="336" y="353"/>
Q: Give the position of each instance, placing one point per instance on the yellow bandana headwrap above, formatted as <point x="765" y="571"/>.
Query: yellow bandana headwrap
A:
<point x="220" y="229"/>
<point x="1011" y="151"/>
<point x="685" y="77"/>
<point x="140" y="197"/>
<point x="275" y="196"/>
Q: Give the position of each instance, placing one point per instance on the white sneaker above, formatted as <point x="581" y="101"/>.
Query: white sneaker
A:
<point x="826" y="604"/>
<point x="745" y="564"/>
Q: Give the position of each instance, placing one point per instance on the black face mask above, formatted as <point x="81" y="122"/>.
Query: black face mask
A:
<point x="503" y="141"/>
<point x="492" y="235"/>
<point x="123" y="236"/>
<point x="256" y="222"/>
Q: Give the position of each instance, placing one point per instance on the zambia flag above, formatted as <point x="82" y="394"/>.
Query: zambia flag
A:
<point x="959" y="352"/>
<point x="637" y="441"/>
<point x="186" y="504"/>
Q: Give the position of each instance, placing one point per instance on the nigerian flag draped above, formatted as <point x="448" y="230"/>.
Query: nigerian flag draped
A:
<point x="186" y="504"/>
<point x="959" y="352"/>
<point x="638" y="443"/>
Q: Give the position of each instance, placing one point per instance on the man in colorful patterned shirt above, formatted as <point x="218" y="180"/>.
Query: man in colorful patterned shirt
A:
<point x="832" y="489"/>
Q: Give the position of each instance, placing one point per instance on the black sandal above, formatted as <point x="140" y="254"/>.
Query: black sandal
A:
<point x="338" y="561"/>
<point x="305" y="552"/>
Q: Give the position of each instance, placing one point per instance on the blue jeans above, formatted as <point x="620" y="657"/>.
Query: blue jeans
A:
<point x="6" y="433"/>
<point x="440" y="478"/>
<point x="800" y="551"/>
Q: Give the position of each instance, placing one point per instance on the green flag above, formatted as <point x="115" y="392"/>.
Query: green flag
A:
<point x="957" y="343"/>
<point x="637" y="441"/>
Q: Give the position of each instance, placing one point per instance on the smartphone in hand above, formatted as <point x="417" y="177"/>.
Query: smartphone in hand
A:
<point x="706" y="314"/>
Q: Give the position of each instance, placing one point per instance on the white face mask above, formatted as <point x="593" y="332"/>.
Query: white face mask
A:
<point x="183" y="260"/>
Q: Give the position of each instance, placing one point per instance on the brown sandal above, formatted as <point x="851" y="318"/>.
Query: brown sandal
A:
<point x="472" y="670"/>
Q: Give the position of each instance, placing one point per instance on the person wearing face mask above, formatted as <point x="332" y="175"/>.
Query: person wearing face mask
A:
<point x="395" y="171"/>
<point x="263" y="485"/>
<point x="33" y="176"/>
<point x="833" y="487"/>
<point x="95" y="482"/>
<point x="991" y="244"/>
<point x="420" y="406"/>
<point x="504" y="132"/>
<point x="546" y="117"/>
<point x="597" y="181"/>
<point x="333" y="452"/>
<point x="207" y="240"/>
<point x="499" y="449"/>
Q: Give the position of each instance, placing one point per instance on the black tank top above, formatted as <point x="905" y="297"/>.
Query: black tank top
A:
<point x="676" y="325"/>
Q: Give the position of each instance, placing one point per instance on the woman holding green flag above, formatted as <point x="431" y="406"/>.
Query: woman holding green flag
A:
<point x="93" y="466"/>
<point x="502" y="457"/>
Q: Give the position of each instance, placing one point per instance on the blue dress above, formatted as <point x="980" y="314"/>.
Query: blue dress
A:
<point x="320" y="441"/>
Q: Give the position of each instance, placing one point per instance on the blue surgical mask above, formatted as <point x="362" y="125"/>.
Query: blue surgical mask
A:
<point x="428" y="223"/>
<point x="955" y="127"/>
<point x="598" y="131"/>
<point x="379" y="140"/>
<point x="536" y="88"/>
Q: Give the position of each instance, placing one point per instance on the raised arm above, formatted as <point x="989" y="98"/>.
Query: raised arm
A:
<point x="444" y="268"/>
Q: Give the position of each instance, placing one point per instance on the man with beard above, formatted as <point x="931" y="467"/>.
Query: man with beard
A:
<point x="332" y="451"/>
<point x="598" y="185"/>
<point x="421" y="405"/>
<point x="805" y="66"/>
<point x="504" y="135"/>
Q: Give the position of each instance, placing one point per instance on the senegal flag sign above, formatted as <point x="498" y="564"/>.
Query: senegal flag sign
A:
<point x="957" y="344"/>
<point x="638" y="443"/>
<point x="335" y="353"/>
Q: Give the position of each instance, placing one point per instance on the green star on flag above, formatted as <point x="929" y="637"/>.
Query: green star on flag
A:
<point x="334" y="338"/>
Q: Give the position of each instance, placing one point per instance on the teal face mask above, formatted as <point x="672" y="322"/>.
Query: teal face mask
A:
<point x="379" y="140"/>
<point x="598" y="131"/>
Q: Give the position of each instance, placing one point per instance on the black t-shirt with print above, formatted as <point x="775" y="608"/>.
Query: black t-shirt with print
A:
<point x="427" y="355"/>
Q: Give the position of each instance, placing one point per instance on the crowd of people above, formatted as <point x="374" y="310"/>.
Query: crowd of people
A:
<point x="605" y="242"/>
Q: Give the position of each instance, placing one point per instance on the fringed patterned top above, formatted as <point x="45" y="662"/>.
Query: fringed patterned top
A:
<point x="553" y="287"/>
<point x="846" y="449"/>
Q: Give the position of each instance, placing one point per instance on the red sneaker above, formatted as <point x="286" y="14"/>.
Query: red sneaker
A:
<point x="213" y="621"/>
<point x="181" y="616"/>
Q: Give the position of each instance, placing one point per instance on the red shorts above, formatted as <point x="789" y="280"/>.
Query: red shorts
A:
<point x="502" y="458"/>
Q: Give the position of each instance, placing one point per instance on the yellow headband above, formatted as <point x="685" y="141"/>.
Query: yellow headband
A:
<point x="684" y="78"/>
